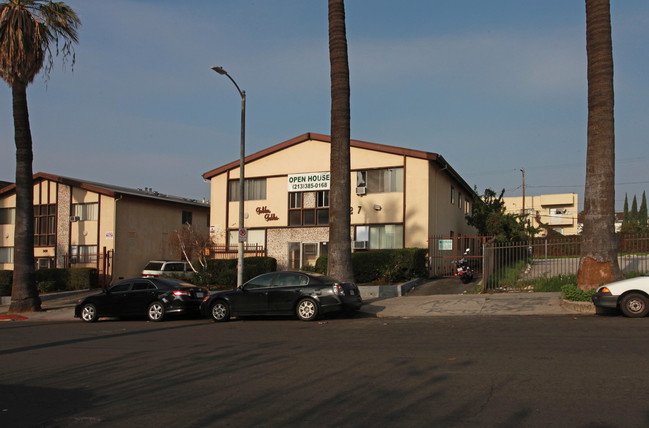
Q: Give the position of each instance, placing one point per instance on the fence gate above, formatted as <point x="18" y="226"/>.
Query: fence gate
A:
<point x="443" y="250"/>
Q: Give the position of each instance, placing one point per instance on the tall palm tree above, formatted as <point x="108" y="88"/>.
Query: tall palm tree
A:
<point x="340" y="256"/>
<point x="28" y="29"/>
<point x="598" y="263"/>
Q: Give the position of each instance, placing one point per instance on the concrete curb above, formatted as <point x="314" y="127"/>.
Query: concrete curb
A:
<point x="585" y="307"/>
<point x="387" y="291"/>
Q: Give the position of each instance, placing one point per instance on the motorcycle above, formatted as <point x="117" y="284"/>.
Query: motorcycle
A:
<point x="463" y="270"/>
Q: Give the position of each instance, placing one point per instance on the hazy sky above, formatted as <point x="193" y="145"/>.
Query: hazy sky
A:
<point x="492" y="86"/>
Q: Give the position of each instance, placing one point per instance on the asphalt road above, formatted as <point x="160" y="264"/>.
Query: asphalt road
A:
<point x="447" y="371"/>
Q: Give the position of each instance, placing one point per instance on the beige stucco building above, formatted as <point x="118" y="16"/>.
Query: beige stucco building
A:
<point x="87" y="224"/>
<point x="558" y="212"/>
<point x="400" y="198"/>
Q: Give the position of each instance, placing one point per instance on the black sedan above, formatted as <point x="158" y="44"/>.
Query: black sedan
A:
<point x="302" y="294"/>
<point x="153" y="297"/>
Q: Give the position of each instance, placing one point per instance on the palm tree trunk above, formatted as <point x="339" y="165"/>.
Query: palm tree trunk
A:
<point x="339" y="256"/>
<point x="24" y="293"/>
<point x="598" y="264"/>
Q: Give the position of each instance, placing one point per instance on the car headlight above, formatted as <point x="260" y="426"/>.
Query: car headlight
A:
<point x="605" y="290"/>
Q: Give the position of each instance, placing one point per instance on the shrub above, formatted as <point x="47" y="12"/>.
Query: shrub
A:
<point x="386" y="266"/>
<point x="224" y="272"/>
<point x="572" y="292"/>
<point x="6" y="277"/>
<point x="82" y="278"/>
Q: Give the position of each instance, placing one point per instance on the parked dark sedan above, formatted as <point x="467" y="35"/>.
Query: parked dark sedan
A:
<point x="302" y="294"/>
<point x="153" y="297"/>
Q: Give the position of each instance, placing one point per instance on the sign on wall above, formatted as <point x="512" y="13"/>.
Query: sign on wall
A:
<point x="445" y="244"/>
<point x="309" y="181"/>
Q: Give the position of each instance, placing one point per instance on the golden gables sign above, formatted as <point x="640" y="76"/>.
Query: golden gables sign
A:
<point x="309" y="181"/>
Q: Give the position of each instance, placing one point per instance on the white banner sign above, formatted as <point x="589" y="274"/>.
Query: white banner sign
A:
<point x="310" y="181"/>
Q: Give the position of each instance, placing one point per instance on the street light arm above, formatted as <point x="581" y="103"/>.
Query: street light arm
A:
<point x="220" y="70"/>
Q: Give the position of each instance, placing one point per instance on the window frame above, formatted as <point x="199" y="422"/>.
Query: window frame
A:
<point x="9" y="254"/>
<point x="251" y="192"/>
<point x="317" y="216"/>
<point x="44" y="225"/>
<point x="86" y="211"/>
<point x="8" y="215"/>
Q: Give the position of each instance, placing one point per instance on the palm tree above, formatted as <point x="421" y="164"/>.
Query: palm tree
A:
<point x="598" y="263"/>
<point x="28" y="28"/>
<point x="340" y="256"/>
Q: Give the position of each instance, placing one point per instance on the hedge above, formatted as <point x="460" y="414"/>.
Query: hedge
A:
<point x="49" y="280"/>
<point x="224" y="272"/>
<point x="384" y="266"/>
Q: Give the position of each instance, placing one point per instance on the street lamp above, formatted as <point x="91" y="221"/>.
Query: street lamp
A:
<point x="242" y="159"/>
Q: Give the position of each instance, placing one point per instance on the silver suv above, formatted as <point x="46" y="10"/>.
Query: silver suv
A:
<point x="156" y="268"/>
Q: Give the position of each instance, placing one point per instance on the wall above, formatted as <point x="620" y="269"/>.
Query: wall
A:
<point x="138" y="239"/>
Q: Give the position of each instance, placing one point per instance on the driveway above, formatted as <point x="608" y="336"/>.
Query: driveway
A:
<point x="445" y="286"/>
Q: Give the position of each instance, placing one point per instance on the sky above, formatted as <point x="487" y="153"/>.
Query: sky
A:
<point x="494" y="87"/>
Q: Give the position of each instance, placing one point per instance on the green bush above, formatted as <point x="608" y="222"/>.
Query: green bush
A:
<point x="6" y="277"/>
<point x="572" y="292"/>
<point x="52" y="280"/>
<point x="82" y="278"/>
<point x="384" y="266"/>
<point x="224" y="272"/>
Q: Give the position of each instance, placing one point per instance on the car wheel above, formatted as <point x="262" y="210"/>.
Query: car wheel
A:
<point x="220" y="311"/>
<point x="89" y="313"/>
<point x="156" y="311"/>
<point x="635" y="305"/>
<point x="307" y="310"/>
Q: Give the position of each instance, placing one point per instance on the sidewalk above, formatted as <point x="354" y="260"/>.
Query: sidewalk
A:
<point x="56" y="307"/>
<point x="475" y="304"/>
<point x="60" y="306"/>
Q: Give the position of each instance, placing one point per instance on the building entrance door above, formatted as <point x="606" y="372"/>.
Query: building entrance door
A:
<point x="304" y="254"/>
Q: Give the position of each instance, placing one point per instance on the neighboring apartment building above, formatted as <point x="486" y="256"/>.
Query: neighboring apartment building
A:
<point x="399" y="198"/>
<point x="87" y="224"/>
<point x="558" y="212"/>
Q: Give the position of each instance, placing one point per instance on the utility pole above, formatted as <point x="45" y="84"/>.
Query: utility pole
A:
<point x="523" y="171"/>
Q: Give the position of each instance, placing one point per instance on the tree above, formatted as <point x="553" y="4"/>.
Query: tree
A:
<point x="339" y="264"/>
<point x="489" y="217"/>
<point x="28" y="29"/>
<point x="634" y="210"/>
<point x="598" y="263"/>
<point x="625" y="215"/>
<point x="642" y="214"/>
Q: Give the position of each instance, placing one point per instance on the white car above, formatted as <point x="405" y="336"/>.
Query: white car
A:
<point x="631" y="296"/>
<point x="156" y="268"/>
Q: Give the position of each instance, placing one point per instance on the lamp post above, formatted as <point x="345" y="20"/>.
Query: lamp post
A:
<point x="242" y="159"/>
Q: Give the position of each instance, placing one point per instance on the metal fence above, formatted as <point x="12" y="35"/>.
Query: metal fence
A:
<point x="224" y="251"/>
<point x="523" y="265"/>
<point x="443" y="250"/>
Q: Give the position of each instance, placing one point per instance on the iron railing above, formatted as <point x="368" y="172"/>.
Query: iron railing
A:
<point x="522" y="265"/>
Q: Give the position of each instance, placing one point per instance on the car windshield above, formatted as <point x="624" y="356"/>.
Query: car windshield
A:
<point x="153" y="266"/>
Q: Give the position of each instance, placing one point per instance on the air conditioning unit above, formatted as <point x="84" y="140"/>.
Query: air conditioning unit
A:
<point x="74" y="218"/>
<point x="361" y="190"/>
<point x="360" y="245"/>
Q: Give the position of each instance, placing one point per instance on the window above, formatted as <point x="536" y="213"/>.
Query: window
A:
<point x="255" y="189"/>
<point x="459" y="200"/>
<point x="308" y="208"/>
<point x="381" y="236"/>
<point x="44" y="225"/>
<point x="467" y="207"/>
<point x="187" y="217"/>
<point x="83" y="254"/>
<point x="86" y="212"/>
<point x="6" y="254"/>
<point x="7" y="216"/>
<point x="255" y="237"/>
<point x="381" y="180"/>
<point x="452" y="195"/>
